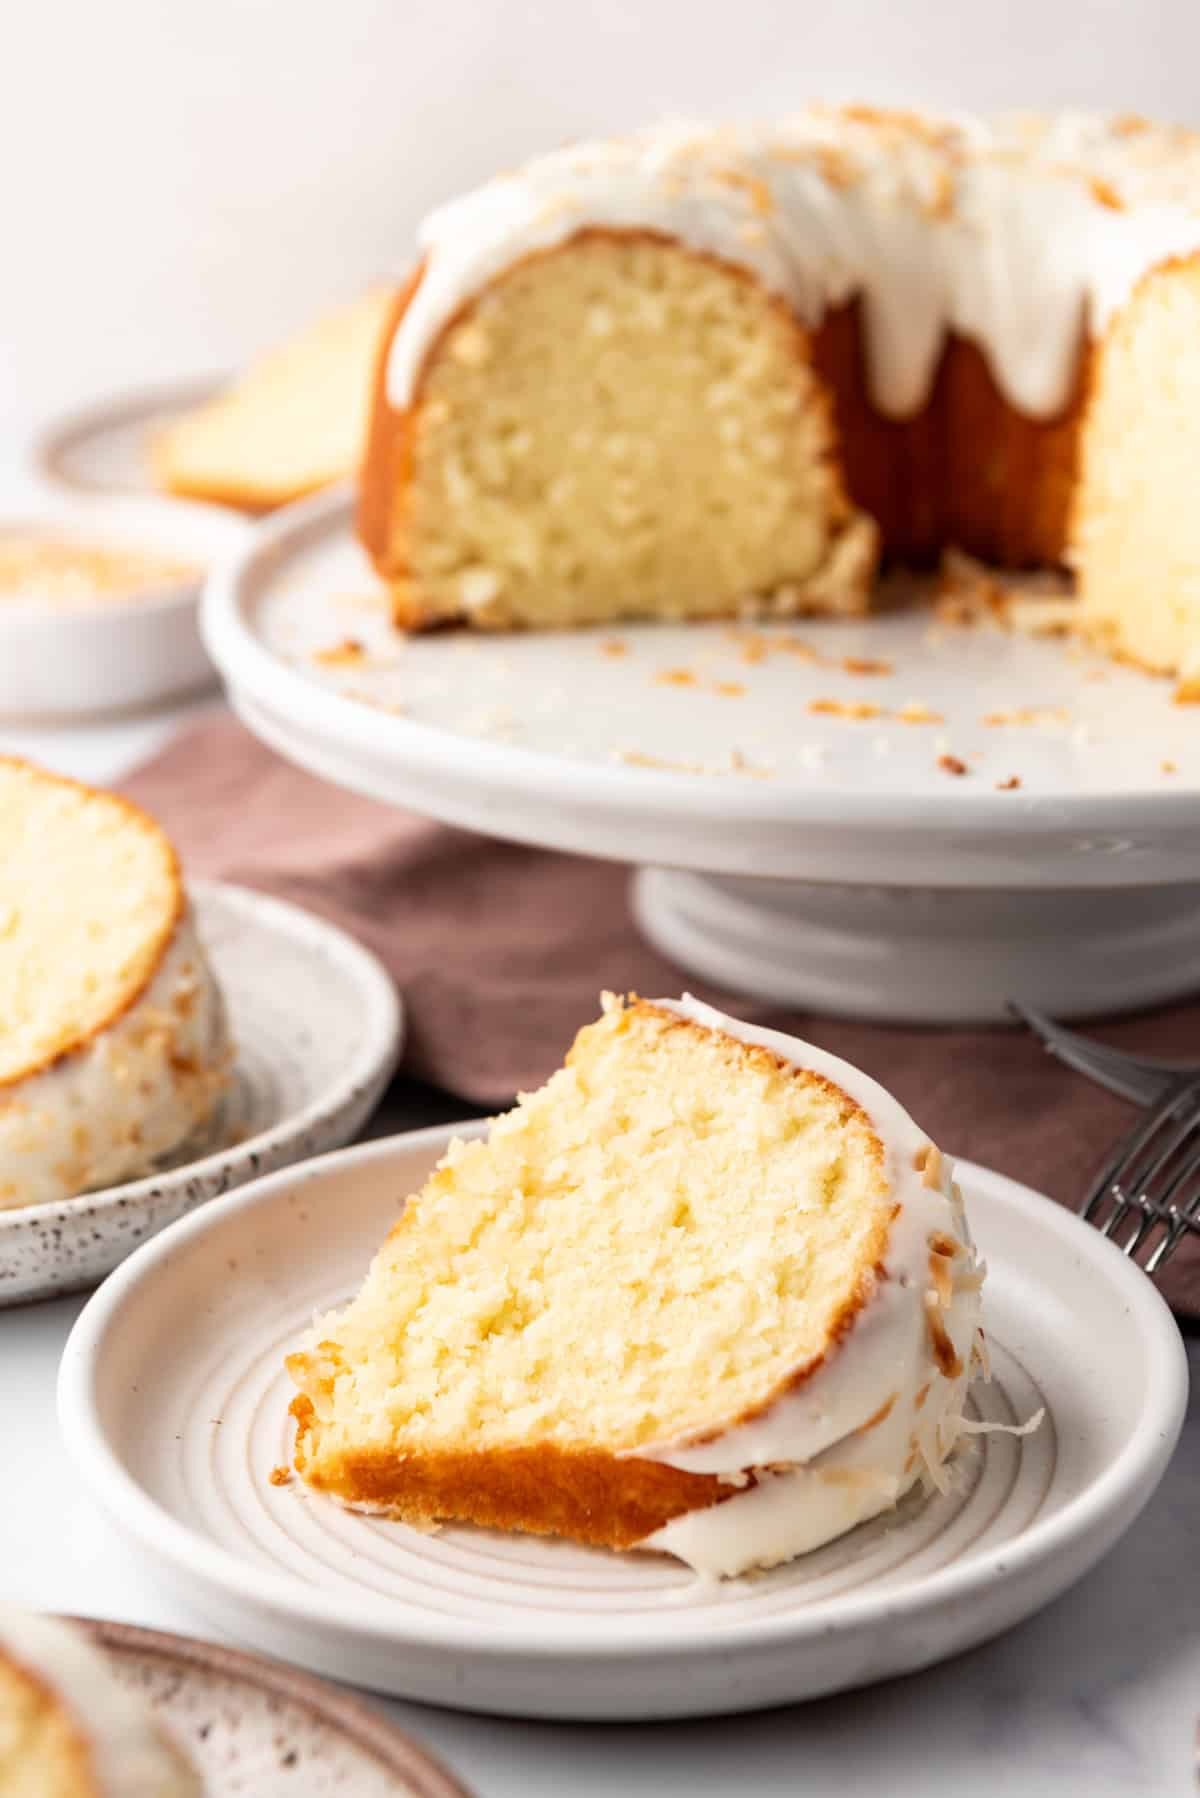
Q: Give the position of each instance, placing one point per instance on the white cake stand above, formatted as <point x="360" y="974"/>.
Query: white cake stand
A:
<point x="815" y="857"/>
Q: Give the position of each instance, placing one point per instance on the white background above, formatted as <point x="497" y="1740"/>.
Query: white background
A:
<point x="181" y="180"/>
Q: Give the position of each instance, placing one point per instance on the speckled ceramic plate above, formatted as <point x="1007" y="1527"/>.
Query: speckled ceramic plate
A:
<point x="176" y="1433"/>
<point x="317" y="1026"/>
<point x="256" y="1728"/>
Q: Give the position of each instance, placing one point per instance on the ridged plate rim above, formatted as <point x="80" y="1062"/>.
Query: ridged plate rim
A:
<point x="367" y="1731"/>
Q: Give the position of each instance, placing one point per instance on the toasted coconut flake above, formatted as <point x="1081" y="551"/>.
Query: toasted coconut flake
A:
<point x="857" y="710"/>
<point x="349" y="653"/>
<point x="981" y="1426"/>
<point x="945" y="1354"/>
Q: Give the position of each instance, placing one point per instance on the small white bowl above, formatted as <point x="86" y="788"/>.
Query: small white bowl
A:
<point x="65" y="659"/>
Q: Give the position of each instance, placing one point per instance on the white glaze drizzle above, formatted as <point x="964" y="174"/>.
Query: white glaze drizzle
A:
<point x="105" y="1112"/>
<point x="1005" y="232"/>
<point x="838" y="1471"/>
<point x="130" y="1756"/>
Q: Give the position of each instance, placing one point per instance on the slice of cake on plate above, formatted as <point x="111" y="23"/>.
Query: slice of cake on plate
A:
<point x="710" y="1291"/>
<point x="70" y="1729"/>
<point x="113" y="1042"/>
<point x="293" y="423"/>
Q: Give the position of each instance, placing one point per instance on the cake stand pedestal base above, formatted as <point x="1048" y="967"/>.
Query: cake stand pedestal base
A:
<point x="934" y="955"/>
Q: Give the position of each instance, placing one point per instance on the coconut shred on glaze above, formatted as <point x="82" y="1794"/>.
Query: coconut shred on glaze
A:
<point x="847" y="1442"/>
<point x="106" y="1111"/>
<point x="1021" y="235"/>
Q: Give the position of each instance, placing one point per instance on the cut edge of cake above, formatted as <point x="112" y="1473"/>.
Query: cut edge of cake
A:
<point x="834" y="1437"/>
<point x="508" y="496"/>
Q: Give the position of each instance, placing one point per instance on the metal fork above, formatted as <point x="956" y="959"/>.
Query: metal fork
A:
<point x="1146" y="1198"/>
<point x="1146" y="1079"/>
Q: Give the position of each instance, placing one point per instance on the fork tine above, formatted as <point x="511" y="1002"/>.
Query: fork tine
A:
<point x="1174" y="1137"/>
<point x="1177" y="1219"/>
<point x="1114" y="1176"/>
<point x="1129" y="1076"/>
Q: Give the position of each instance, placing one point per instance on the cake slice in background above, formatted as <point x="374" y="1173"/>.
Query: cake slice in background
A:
<point x="293" y="423"/>
<point x="709" y="1291"/>
<point x="113" y="1042"/>
<point x="70" y="1729"/>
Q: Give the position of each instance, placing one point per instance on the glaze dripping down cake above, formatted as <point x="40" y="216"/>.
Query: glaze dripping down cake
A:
<point x="709" y="1292"/>
<point x="702" y="371"/>
<point x="113" y="1041"/>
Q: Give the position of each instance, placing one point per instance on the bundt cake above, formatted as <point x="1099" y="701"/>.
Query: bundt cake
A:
<point x="710" y="1291"/>
<point x="70" y="1729"/>
<point x="113" y="1044"/>
<point x="700" y="371"/>
<point x="293" y="423"/>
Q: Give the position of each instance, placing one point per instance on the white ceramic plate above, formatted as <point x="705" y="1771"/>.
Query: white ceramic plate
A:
<point x="317" y="1027"/>
<point x="65" y="660"/>
<point x="175" y="1432"/>
<point x="548" y="738"/>
<point x="250" y="1726"/>
<point x="103" y="446"/>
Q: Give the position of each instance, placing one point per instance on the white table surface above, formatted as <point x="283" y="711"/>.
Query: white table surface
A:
<point x="1099" y="1695"/>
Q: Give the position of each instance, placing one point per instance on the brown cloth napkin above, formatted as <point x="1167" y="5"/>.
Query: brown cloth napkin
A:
<point x="501" y="951"/>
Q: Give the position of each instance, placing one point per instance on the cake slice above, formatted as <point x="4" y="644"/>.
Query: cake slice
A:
<point x="113" y="1043"/>
<point x="70" y="1729"/>
<point x="294" y="423"/>
<point x="709" y="1291"/>
<point x="1136" y="549"/>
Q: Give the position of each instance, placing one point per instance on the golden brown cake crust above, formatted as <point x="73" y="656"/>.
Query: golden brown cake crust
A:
<point x="588" y="1494"/>
<point x="163" y="937"/>
<point x="968" y="470"/>
<point x="545" y="1490"/>
<point x="387" y="457"/>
